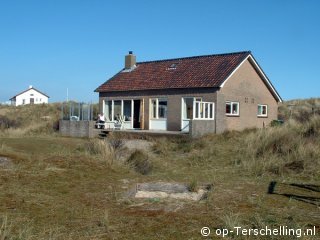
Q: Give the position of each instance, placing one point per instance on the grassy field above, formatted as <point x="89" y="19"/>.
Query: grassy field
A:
<point x="65" y="188"/>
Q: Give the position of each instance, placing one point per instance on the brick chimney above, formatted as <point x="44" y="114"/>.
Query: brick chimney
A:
<point x="130" y="60"/>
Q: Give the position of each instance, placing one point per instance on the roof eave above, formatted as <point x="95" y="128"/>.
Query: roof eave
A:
<point x="262" y="74"/>
<point x="155" y="89"/>
<point x="28" y="90"/>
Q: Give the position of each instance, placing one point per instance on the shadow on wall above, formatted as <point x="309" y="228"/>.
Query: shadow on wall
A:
<point x="307" y="193"/>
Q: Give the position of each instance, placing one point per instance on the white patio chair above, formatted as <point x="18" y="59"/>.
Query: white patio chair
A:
<point x="119" y="124"/>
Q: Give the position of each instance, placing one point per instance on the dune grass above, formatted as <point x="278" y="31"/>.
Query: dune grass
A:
<point x="74" y="188"/>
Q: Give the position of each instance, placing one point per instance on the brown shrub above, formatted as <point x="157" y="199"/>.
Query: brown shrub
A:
<point x="140" y="162"/>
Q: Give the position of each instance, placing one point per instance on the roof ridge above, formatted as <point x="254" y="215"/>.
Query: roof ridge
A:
<point x="199" y="56"/>
<point x="28" y="90"/>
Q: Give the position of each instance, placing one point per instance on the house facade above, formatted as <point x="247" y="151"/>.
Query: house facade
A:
<point x="29" y="96"/>
<point x="213" y="93"/>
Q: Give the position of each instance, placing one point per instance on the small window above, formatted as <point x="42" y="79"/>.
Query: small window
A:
<point x="172" y="66"/>
<point x="262" y="110"/>
<point x="31" y="94"/>
<point x="23" y="101"/>
<point x="232" y="108"/>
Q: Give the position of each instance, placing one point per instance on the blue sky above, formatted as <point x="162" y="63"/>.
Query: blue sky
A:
<point x="78" y="44"/>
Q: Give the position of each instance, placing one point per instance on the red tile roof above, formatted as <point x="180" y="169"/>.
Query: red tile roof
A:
<point x="189" y="72"/>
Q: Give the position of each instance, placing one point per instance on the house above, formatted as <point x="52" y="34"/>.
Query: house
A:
<point x="202" y="94"/>
<point x="29" y="96"/>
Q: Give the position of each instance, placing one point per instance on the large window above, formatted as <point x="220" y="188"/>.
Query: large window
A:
<point x="232" y="108"/>
<point x="116" y="108"/>
<point x="159" y="108"/>
<point x="204" y="110"/>
<point x="262" y="110"/>
<point x="195" y="108"/>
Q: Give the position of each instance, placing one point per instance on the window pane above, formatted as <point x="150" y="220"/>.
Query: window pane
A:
<point x="259" y="109"/>
<point x="108" y="109"/>
<point x="264" y="110"/>
<point x="154" y="108"/>
<point x="127" y="110"/>
<point x="162" y="109"/>
<point x="117" y="109"/>
<point x="188" y="108"/>
<point x="228" y="108"/>
<point x="197" y="110"/>
<point x="235" y="109"/>
<point x="211" y="110"/>
<point x="201" y="110"/>
<point x="206" y="110"/>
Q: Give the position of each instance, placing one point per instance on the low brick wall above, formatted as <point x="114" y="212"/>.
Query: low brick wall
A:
<point x="199" y="128"/>
<point x="77" y="128"/>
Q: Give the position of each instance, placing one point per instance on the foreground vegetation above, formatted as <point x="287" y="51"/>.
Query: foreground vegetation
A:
<point x="66" y="188"/>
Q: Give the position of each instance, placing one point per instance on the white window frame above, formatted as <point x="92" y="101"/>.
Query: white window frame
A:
<point x="203" y="115"/>
<point x="122" y="108"/>
<point x="201" y="104"/>
<point x="261" y="114"/>
<point x="183" y="107"/>
<point x="157" y="108"/>
<point x="231" y="108"/>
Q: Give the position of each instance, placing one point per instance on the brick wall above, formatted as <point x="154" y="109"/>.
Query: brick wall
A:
<point x="244" y="84"/>
<point x="174" y="97"/>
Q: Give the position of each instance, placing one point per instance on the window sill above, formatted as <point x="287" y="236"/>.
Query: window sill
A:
<point x="262" y="116"/>
<point x="203" y="119"/>
<point x="158" y="119"/>
<point x="233" y="115"/>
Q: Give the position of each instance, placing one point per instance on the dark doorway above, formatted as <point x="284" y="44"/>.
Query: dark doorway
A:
<point x="31" y="100"/>
<point x="136" y="113"/>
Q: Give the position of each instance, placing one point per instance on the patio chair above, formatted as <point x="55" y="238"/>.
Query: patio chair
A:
<point x="119" y="124"/>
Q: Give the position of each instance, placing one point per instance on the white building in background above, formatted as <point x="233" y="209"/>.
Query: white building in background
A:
<point x="29" y="96"/>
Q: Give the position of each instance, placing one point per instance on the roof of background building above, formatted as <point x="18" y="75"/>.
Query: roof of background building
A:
<point x="28" y="90"/>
